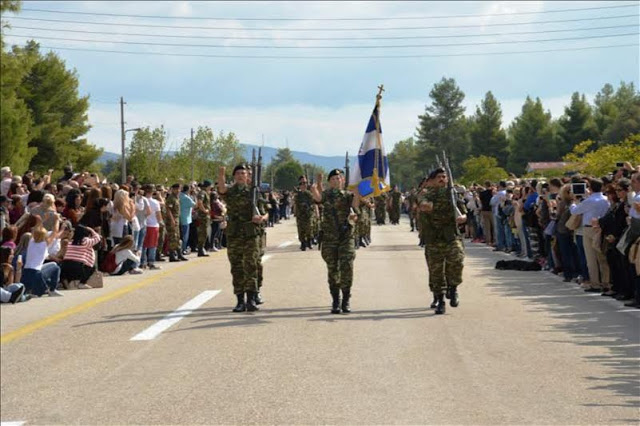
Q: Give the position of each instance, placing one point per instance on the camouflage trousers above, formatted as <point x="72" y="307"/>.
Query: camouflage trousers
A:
<point x="305" y="230"/>
<point x="394" y="214"/>
<point x="203" y="229"/>
<point x="244" y="257"/>
<point x="263" y="246"/>
<point x="380" y="215"/>
<point x="339" y="255"/>
<point x="445" y="263"/>
<point x="173" y="237"/>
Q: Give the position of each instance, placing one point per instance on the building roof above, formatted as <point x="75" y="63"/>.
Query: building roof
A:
<point x="547" y="165"/>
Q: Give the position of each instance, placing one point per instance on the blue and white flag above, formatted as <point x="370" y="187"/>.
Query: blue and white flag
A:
<point x="371" y="171"/>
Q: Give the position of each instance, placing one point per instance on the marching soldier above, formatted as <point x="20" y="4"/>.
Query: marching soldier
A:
<point x="394" y="201"/>
<point x="444" y="251"/>
<point x="411" y="207"/>
<point x="381" y="209"/>
<point x="203" y="205"/>
<point x="263" y="208"/>
<point x="304" y="207"/>
<point x="243" y="237"/>
<point x="337" y="242"/>
<point x="172" y="204"/>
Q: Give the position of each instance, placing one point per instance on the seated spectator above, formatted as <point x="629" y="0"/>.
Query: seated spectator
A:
<point x="9" y="235"/>
<point x="73" y="211"/>
<point x="48" y="212"/>
<point x="4" y="212"/>
<point x="126" y="260"/>
<point x="38" y="277"/>
<point x="11" y="290"/>
<point x="79" y="259"/>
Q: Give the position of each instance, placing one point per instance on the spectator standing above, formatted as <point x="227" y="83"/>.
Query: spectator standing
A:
<point x="150" y="244"/>
<point x="487" y="215"/>
<point x="186" y="212"/>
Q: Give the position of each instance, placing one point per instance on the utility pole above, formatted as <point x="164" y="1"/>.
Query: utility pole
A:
<point x="124" y="161"/>
<point x="192" y="159"/>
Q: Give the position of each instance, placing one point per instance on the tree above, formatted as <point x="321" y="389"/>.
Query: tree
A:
<point x="402" y="164"/>
<point x="10" y="5"/>
<point x="481" y="169"/>
<point x="627" y="120"/>
<point x="145" y="155"/>
<point x="486" y="133"/>
<point x="443" y="126"/>
<point x="60" y="118"/>
<point x="577" y="124"/>
<point x="532" y="137"/>
<point x="312" y="170"/>
<point x="606" y="109"/>
<point x="603" y="160"/>
<point x="286" y="176"/>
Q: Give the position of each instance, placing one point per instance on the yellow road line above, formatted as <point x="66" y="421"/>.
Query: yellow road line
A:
<point x="30" y="328"/>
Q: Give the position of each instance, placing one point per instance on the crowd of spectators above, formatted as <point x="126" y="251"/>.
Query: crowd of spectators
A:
<point x="584" y="228"/>
<point x="65" y="234"/>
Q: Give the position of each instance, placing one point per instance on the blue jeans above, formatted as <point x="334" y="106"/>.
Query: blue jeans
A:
<point x="582" y="259"/>
<point x="37" y="282"/>
<point x="139" y="239"/>
<point x="184" y="233"/>
<point x="500" y="236"/>
<point x="508" y="236"/>
<point x="148" y="256"/>
<point x="527" y="242"/>
<point x="568" y="254"/>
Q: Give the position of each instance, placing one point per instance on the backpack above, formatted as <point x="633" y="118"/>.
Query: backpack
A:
<point x="109" y="263"/>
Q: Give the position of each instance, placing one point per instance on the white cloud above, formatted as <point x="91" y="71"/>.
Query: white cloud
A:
<point x="314" y="129"/>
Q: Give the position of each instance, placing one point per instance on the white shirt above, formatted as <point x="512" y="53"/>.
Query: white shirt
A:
<point x="594" y="207"/>
<point x="632" y="211"/>
<point x="36" y="255"/>
<point x="5" y="185"/>
<point x="152" y="220"/>
<point x="141" y="206"/>
<point x="497" y="199"/>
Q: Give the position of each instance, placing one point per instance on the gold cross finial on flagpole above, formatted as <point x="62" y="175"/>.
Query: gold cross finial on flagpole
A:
<point x="380" y="89"/>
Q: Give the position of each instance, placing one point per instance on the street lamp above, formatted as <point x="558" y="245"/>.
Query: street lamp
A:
<point x="124" y="161"/>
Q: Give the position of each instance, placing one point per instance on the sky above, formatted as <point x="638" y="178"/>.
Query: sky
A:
<point x="317" y="95"/>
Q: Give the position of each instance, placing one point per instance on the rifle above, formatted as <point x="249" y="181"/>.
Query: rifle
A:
<point x="346" y="170"/>
<point x="255" y="190"/>
<point x="452" y="191"/>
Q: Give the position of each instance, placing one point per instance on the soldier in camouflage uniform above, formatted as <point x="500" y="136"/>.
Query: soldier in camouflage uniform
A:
<point x="395" y="199"/>
<point x="172" y="204"/>
<point x="444" y="250"/>
<point x="363" y="226"/>
<point x="337" y="243"/>
<point x="411" y="208"/>
<point x="304" y="207"/>
<point x="203" y="204"/>
<point x="381" y="209"/>
<point x="243" y="237"/>
<point x="263" y="208"/>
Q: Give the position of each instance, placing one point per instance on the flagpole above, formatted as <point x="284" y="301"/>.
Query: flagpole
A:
<point x="376" y="156"/>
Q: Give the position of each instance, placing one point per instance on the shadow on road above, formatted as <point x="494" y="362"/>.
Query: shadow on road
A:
<point x="589" y="318"/>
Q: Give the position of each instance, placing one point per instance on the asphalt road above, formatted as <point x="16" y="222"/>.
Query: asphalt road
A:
<point x="522" y="348"/>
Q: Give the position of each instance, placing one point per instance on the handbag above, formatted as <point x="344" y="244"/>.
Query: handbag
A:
<point x="574" y="222"/>
<point x="95" y="280"/>
<point x="550" y="230"/>
<point x="622" y="243"/>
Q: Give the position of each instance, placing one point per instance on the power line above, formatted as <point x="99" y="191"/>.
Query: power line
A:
<point x="64" y="30"/>
<point x="194" y="55"/>
<point x="328" y="19"/>
<point x="222" y="46"/>
<point x="66" y="21"/>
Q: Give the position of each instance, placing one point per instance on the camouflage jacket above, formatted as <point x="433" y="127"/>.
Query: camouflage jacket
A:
<point x="303" y="203"/>
<point x="239" y="211"/>
<point x="439" y="225"/>
<point x="335" y="214"/>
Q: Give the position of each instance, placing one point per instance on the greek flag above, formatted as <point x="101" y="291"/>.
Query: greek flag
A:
<point x="371" y="171"/>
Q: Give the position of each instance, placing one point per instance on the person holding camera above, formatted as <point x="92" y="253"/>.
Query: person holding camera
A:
<point x="337" y="242"/>
<point x="592" y="208"/>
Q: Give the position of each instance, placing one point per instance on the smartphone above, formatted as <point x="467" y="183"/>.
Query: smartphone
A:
<point x="579" y="188"/>
<point x="553" y="196"/>
<point x="619" y="165"/>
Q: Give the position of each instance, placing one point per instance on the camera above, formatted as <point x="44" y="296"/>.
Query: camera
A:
<point x="553" y="196"/>
<point x="619" y="165"/>
<point x="579" y="188"/>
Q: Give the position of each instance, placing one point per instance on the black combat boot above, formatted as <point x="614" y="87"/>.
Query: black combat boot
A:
<point x="434" y="304"/>
<point x="303" y="246"/>
<point x="251" y="302"/>
<point x="442" y="305"/>
<point x="346" y="295"/>
<point x="309" y="245"/>
<point x="240" y="307"/>
<point x="258" y="298"/>
<point x="361" y="242"/>
<point x="173" y="257"/>
<point x="181" y="256"/>
<point x="454" y="301"/>
<point x="202" y="253"/>
<point x="335" y="305"/>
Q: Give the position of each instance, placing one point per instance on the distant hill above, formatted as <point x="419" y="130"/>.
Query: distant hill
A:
<point x="268" y="153"/>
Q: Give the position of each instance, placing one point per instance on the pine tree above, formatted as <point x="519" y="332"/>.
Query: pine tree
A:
<point x="443" y="126"/>
<point x="487" y="135"/>
<point x="577" y="124"/>
<point x="532" y="137"/>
